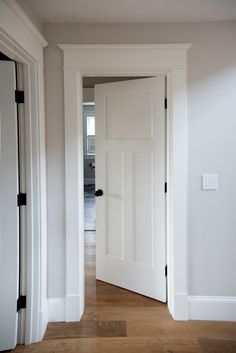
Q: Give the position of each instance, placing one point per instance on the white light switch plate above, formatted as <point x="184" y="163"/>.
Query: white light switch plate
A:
<point x="210" y="181"/>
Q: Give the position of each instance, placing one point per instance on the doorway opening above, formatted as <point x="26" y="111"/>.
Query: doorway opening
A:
<point x="98" y="292"/>
<point x="128" y="158"/>
<point x="89" y="165"/>
<point x="122" y="60"/>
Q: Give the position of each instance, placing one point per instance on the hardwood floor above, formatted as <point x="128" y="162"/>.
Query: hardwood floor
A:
<point x="119" y="321"/>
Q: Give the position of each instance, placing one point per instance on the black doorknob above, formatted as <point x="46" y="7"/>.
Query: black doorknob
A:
<point x="98" y="192"/>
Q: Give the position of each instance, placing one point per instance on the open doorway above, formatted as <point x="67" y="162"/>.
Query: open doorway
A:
<point x="132" y="60"/>
<point x="101" y="293"/>
<point x="124" y="266"/>
<point x="89" y="166"/>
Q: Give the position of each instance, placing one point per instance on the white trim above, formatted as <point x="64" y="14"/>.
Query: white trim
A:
<point x="56" y="309"/>
<point x="23" y="18"/>
<point x="16" y="32"/>
<point x="118" y="47"/>
<point x="72" y="307"/>
<point x="131" y="60"/>
<point x="74" y="194"/>
<point x="43" y="317"/>
<point x="180" y="306"/>
<point x="212" y="308"/>
<point x="18" y="42"/>
<point x="23" y="219"/>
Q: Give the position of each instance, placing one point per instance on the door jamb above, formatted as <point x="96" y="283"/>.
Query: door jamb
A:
<point x="22" y="42"/>
<point x="126" y="60"/>
<point x="22" y="210"/>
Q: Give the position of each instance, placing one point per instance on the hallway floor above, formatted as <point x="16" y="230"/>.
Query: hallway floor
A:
<point x="119" y="321"/>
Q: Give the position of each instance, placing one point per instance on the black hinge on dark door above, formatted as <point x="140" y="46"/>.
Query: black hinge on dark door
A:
<point x="21" y="199"/>
<point x="21" y="302"/>
<point x="19" y="97"/>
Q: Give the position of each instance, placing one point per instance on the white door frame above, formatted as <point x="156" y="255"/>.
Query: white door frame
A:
<point x="126" y="60"/>
<point x="22" y="42"/>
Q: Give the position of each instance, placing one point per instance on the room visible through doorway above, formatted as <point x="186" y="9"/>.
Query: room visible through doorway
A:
<point x="125" y="119"/>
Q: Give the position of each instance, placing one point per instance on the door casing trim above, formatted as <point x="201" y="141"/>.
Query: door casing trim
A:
<point x="22" y="42"/>
<point x="127" y="60"/>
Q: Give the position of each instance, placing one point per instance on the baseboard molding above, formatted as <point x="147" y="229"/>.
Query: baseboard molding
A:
<point x="64" y="309"/>
<point x="186" y="307"/>
<point x="212" y="308"/>
<point x="180" y="307"/>
<point x="56" y="309"/>
<point x="72" y="308"/>
<point x="43" y="318"/>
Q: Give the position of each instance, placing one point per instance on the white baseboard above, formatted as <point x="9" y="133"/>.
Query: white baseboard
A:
<point x="43" y="318"/>
<point x="65" y="309"/>
<point x="180" y="307"/>
<point x="72" y="308"/>
<point x="212" y="308"/>
<point x="56" y="309"/>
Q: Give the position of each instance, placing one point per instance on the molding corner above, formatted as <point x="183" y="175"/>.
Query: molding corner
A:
<point x="180" y="310"/>
<point x="72" y="308"/>
<point x="22" y="16"/>
<point x="56" y="309"/>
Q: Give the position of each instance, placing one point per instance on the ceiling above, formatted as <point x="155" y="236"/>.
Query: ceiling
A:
<point x="131" y="11"/>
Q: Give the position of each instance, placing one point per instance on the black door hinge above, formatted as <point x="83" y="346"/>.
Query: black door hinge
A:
<point x="19" y="97"/>
<point x="21" y="199"/>
<point x="21" y="302"/>
<point x="166" y="271"/>
<point x="165" y="188"/>
<point x="165" y="103"/>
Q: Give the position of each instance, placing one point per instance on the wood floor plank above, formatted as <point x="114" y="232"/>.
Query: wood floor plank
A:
<point x="155" y="328"/>
<point x="210" y="345"/>
<point x="119" y="321"/>
<point x="133" y="313"/>
<point x="108" y="345"/>
<point x="86" y="328"/>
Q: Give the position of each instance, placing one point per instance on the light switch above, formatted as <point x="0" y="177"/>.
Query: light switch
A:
<point x="210" y="181"/>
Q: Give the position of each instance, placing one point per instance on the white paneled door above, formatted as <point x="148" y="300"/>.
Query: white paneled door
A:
<point x="130" y="179"/>
<point x="9" y="222"/>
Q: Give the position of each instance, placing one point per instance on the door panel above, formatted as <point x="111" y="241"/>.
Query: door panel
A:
<point x="9" y="222"/>
<point x="143" y="216"/>
<point x="134" y="105"/>
<point x="114" y="204"/>
<point x="130" y="169"/>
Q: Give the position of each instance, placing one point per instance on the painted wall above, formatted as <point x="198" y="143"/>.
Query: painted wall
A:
<point x="212" y="143"/>
<point x="31" y="14"/>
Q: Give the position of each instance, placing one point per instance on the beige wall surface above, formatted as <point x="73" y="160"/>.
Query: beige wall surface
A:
<point x="31" y="14"/>
<point x="211" y="143"/>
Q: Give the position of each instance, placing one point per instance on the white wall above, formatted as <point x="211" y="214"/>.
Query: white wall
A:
<point x="212" y="144"/>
